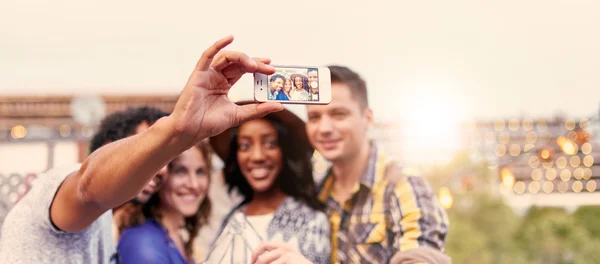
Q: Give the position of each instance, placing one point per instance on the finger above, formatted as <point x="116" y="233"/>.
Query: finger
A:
<point x="228" y="58"/>
<point x="270" y="256"/>
<point x="236" y="70"/>
<point x="264" y="246"/>
<point x="263" y="60"/>
<point x="282" y="260"/>
<point x="211" y="52"/>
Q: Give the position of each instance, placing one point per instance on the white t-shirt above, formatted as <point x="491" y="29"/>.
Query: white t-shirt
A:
<point x="28" y="236"/>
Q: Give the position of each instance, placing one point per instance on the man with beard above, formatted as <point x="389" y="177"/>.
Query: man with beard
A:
<point x="276" y="82"/>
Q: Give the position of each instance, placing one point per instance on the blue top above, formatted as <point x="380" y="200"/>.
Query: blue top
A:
<point x="282" y="96"/>
<point x="148" y="243"/>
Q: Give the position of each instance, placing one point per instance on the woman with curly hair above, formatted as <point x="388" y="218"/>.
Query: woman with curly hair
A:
<point x="268" y="161"/>
<point x="174" y="215"/>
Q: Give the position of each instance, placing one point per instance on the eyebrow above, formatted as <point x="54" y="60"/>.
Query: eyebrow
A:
<point x="262" y="135"/>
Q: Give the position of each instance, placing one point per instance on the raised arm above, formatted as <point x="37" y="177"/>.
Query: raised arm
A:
<point x="117" y="172"/>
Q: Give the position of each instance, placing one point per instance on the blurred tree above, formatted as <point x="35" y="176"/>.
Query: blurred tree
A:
<point x="481" y="225"/>
<point x="483" y="229"/>
<point x="589" y="217"/>
<point x="552" y="235"/>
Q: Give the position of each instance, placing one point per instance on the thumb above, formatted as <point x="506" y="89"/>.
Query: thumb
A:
<point x="252" y="111"/>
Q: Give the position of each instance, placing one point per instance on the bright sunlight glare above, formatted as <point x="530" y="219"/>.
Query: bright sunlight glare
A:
<point x="430" y="120"/>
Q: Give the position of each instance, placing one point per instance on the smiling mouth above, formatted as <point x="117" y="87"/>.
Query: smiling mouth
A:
<point x="189" y="197"/>
<point x="259" y="173"/>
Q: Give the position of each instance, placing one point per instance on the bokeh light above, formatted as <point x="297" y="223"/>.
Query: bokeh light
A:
<point x="586" y="148"/>
<point x="534" y="187"/>
<point x="590" y="186"/>
<point x="536" y="174"/>
<point x="18" y="132"/>
<point x="565" y="175"/>
<point x="577" y="186"/>
<point x="551" y="174"/>
<point x="548" y="187"/>
<point x="588" y="161"/>
<point x="519" y="187"/>
<point x="562" y="187"/>
<point x="570" y="124"/>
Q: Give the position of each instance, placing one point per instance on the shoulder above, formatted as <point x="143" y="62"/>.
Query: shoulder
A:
<point x="398" y="176"/>
<point x="145" y="243"/>
<point x="149" y="232"/>
<point x="35" y="205"/>
<point x="303" y="210"/>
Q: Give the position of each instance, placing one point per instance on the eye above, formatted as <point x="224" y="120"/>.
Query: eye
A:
<point x="180" y="171"/>
<point x="339" y="115"/>
<point x="313" y="118"/>
<point x="244" y="146"/>
<point x="270" y="144"/>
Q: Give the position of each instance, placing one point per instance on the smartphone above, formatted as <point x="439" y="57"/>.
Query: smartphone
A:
<point x="294" y="85"/>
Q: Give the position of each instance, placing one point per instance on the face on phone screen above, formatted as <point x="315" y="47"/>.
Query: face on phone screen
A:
<point x="293" y="84"/>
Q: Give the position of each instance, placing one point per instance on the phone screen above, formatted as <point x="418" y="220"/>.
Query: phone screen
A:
<point x="293" y="84"/>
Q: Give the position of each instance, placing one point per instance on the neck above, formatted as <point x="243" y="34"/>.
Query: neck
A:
<point x="171" y="220"/>
<point x="347" y="172"/>
<point x="265" y="202"/>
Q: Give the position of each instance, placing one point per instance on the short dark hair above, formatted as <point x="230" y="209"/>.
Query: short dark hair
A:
<point x="312" y="69"/>
<point x="274" y="77"/>
<point x="358" y="86"/>
<point x="295" y="179"/>
<point x="122" y="124"/>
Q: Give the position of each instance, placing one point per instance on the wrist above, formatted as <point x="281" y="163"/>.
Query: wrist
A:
<point x="176" y="140"/>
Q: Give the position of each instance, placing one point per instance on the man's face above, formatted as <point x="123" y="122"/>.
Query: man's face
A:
<point x="313" y="76"/>
<point x="156" y="182"/>
<point x="277" y="85"/>
<point x="339" y="129"/>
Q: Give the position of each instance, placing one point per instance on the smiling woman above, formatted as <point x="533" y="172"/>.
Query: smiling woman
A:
<point x="268" y="161"/>
<point x="175" y="214"/>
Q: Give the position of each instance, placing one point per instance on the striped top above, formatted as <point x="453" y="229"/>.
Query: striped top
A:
<point x="387" y="212"/>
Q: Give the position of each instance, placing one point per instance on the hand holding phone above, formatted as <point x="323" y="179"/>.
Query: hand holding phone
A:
<point x="294" y="85"/>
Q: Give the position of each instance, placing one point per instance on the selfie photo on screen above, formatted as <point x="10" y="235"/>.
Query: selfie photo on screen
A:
<point x="294" y="84"/>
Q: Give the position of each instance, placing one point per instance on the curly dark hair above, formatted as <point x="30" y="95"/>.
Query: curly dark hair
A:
<point x="192" y="223"/>
<point x="122" y="124"/>
<point x="295" y="178"/>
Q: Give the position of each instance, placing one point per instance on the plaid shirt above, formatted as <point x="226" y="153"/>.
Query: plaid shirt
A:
<point x="387" y="212"/>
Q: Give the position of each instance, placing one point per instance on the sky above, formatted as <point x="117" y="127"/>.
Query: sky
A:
<point x="424" y="61"/>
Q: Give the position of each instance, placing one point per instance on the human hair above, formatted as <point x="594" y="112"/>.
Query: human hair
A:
<point x="274" y="77"/>
<point x="122" y="124"/>
<point x="312" y="69"/>
<point x="295" y="178"/>
<point x="304" y="81"/>
<point x="357" y="86"/>
<point x="193" y="223"/>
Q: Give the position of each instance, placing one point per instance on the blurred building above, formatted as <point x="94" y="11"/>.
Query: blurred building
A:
<point x="38" y="133"/>
<point x="541" y="162"/>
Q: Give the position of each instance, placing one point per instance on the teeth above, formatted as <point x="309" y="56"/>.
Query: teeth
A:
<point x="152" y="183"/>
<point x="260" y="172"/>
<point x="189" y="197"/>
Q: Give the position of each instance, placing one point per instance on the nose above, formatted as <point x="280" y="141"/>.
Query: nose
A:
<point x="257" y="154"/>
<point x="197" y="183"/>
<point x="325" y="125"/>
<point x="163" y="171"/>
<point x="193" y="182"/>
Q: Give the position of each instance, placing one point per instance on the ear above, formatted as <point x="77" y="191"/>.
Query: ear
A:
<point x="368" y="115"/>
